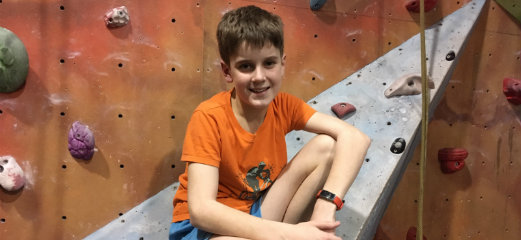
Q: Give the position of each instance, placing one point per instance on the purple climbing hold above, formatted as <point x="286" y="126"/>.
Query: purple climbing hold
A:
<point x="81" y="141"/>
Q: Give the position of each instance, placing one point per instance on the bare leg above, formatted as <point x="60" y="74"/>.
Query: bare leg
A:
<point x="291" y="198"/>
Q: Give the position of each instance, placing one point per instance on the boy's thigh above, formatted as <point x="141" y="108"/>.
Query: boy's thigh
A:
<point x="317" y="151"/>
<point x="184" y="230"/>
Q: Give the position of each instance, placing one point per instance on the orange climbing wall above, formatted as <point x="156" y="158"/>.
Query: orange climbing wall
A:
<point x="136" y="87"/>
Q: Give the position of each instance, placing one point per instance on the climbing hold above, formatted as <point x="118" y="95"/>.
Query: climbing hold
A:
<point x="452" y="159"/>
<point x="511" y="6"/>
<point x="410" y="84"/>
<point x="342" y="109"/>
<point x="414" y="5"/>
<point x="316" y="4"/>
<point x="398" y="146"/>
<point x="117" y="17"/>
<point x="512" y="90"/>
<point x="12" y="177"/>
<point x="450" y="56"/>
<point x="81" y="141"/>
<point x="14" y="62"/>
<point x="411" y="234"/>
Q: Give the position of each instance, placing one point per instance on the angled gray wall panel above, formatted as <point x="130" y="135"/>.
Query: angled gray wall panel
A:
<point x="385" y="119"/>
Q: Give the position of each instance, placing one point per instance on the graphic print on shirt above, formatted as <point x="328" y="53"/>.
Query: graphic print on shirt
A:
<point x="258" y="178"/>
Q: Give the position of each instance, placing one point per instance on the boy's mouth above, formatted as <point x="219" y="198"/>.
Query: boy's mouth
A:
<point x="259" y="90"/>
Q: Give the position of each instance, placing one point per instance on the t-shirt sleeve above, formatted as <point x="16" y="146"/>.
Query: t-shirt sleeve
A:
<point x="299" y="111"/>
<point x="202" y="142"/>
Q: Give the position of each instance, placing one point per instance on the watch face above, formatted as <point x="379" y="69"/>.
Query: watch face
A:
<point x="327" y="195"/>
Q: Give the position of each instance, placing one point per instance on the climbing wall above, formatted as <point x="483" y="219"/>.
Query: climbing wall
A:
<point x="135" y="87"/>
<point x="483" y="199"/>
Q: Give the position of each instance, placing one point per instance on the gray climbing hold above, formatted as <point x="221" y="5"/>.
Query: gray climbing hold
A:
<point x="81" y="141"/>
<point x="14" y="62"/>
<point x="398" y="146"/>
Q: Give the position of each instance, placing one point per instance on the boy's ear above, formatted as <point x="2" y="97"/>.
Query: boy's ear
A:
<point x="226" y="71"/>
<point x="283" y="63"/>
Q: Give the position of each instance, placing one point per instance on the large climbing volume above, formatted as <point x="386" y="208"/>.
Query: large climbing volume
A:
<point x="14" y="62"/>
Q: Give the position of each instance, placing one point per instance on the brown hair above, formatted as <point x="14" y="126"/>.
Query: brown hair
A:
<point x="248" y="24"/>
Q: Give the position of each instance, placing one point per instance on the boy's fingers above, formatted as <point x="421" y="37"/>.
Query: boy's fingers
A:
<point x="327" y="225"/>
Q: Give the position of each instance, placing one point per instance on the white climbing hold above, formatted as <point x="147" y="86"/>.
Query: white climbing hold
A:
<point x="117" y="17"/>
<point x="410" y="84"/>
<point x="12" y="177"/>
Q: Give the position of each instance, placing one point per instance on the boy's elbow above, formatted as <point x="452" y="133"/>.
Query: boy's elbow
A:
<point x="365" y="139"/>
<point x="197" y="213"/>
<point x="360" y="137"/>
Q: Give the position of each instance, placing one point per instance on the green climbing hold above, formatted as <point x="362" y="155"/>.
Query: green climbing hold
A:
<point x="513" y="7"/>
<point x="14" y="62"/>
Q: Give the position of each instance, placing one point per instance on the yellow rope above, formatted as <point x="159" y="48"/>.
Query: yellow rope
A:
<point x="425" y="119"/>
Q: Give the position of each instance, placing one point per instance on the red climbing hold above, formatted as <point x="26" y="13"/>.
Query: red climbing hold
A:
<point x="512" y="90"/>
<point x="452" y="159"/>
<point x="411" y="234"/>
<point x="414" y="5"/>
<point x="342" y="109"/>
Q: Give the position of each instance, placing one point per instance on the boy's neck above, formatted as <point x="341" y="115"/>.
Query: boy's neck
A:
<point x="250" y="119"/>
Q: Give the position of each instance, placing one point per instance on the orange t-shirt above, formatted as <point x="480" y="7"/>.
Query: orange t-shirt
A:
<point x="248" y="163"/>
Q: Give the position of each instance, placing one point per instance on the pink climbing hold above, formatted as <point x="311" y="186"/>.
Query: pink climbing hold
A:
<point x="117" y="17"/>
<point x="414" y="5"/>
<point x="342" y="109"/>
<point x="411" y="234"/>
<point x="81" y="141"/>
<point x="512" y="90"/>
<point x="452" y="159"/>
<point x="12" y="177"/>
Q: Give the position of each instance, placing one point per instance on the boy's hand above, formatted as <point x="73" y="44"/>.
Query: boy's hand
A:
<point x="323" y="230"/>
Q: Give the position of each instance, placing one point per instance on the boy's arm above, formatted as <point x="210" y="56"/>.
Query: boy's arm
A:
<point x="208" y="214"/>
<point x="351" y="148"/>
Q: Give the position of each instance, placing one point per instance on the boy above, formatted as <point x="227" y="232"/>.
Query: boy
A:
<point x="237" y="183"/>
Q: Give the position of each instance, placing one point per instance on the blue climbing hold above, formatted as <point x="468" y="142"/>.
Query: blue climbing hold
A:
<point x="316" y="4"/>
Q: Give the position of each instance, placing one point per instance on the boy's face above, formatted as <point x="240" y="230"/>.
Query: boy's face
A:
<point x="257" y="74"/>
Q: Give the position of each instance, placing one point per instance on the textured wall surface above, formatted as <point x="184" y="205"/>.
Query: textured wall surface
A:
<point x="137" y="85"/>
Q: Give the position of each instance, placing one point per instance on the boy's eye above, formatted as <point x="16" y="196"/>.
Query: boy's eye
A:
<point x="245" y="67"/>
<point x="270" y="63"/>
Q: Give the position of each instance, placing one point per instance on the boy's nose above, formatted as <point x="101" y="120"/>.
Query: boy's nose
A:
<point x="259" y="74"/>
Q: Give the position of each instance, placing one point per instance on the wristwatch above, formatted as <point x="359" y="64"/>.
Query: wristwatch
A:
<point x="329" y="196"/>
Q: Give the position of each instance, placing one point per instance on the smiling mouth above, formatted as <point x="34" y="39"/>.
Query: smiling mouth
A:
<point x="259" y="90"/>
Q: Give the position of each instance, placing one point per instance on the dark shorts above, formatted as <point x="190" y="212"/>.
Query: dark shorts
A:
<point x="183" y="230"/>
